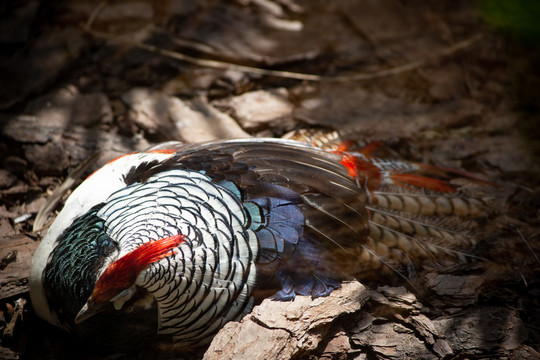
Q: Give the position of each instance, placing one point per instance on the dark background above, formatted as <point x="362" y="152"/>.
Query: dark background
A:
<point x="454" y="83"/>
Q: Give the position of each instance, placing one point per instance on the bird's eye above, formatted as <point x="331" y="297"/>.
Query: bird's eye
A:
<point x="120" y="299"/>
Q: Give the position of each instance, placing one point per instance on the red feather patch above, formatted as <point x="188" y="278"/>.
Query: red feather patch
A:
<point x="123" y="273"/>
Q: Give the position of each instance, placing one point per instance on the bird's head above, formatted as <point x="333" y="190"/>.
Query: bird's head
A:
<point x="117" y="283"/>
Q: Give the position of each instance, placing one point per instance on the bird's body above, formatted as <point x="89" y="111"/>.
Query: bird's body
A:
<point x="174" y="242"/>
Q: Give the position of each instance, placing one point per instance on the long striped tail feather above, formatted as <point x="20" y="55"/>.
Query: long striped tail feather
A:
<point x="426" y="226"/>
<point x="431" y="204"/>
<point x="416" y="214"/>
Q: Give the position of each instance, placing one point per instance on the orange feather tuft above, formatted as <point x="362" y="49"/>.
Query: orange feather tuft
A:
<point x="422" y="182"/>
<point x="123" y="273"/>
<point x="349" y="162"/>
<point x="358" y="167"/>
<point x="367" y="150"/>
<point x="443" y="170"/>
<point x="370" y="148"/>
<point x="162" y="151"/>
<point x="345" y="145"/>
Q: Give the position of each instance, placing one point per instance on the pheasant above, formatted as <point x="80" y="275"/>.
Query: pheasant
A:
<point x="174" y="242"/>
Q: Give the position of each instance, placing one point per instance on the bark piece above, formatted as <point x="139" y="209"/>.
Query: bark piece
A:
<point x="170" y="118"/>
<point x="492" y="150"/>
<point x="262" y="108"/>
<point x="337" y="348"/>
<point x="151" y="112"/>
<point x="48" y="159"/>
<point x="16" y="258"/>
<point x="6" y="228"/>
<point x="33" y="129"/>
<point x="396" y="297"/>
<point x="525" y="352"/>
<point x="483" y="330"/>
<point x="40" y="63"/>
<point x="16" y="319"/>
<point x="253" y="33"/>
<point x="81" y="143"/>
<point x="52" y="121"/>
<point x="8" y="354"/>
<point x="391" y="334"/>
<point x="284" y="330"/>
<point x="6" y="179"/>
<point x="357" y="112"/>
<point x="392" y="341"/>
<point x="464" y="290"/>
<point x="17" y="22"/>
<point x="426" y="329"/>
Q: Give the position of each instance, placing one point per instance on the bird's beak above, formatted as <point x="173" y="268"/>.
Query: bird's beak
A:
<point x="88" y="310"/>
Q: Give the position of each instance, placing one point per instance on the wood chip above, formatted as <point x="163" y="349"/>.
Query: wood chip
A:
<point x="282" y="330"/>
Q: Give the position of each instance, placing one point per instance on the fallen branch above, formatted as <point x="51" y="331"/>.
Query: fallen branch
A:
<point x="216" y="64"/>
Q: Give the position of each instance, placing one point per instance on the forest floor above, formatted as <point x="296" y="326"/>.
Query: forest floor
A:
<point x="434" y="81"/>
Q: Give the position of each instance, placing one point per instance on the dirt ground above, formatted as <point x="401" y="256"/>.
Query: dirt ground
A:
<point x="452" y="83"/>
